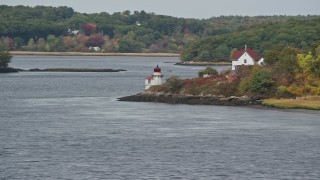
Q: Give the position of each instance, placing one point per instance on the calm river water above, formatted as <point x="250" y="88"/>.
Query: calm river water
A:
<point x="56" y="125"/>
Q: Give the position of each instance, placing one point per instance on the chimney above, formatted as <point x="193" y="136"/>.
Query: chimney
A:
<point x="245" y="47"/>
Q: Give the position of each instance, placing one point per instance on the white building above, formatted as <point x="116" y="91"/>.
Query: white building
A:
<point x="73" y="32"/>
<point x="96" y="49"/>
<point x="245" y="57"/>
<point x="155" y="79"/>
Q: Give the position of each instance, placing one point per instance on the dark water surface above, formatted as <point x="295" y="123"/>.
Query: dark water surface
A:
<point x="56" y="125"/>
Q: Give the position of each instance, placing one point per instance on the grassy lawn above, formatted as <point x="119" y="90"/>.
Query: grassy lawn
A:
<point x="311" y="103"/>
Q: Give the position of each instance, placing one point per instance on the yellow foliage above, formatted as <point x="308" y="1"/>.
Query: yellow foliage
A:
<point x="282" y="89"/>
<point x="304" y="60"/>
<point x="303" y="90"/>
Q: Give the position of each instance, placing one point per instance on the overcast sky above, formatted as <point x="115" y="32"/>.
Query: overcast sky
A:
<point x="185" y="8"/>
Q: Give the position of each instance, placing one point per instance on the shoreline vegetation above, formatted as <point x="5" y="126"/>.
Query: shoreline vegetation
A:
<point x="252" y="85"/>
<point x="170" y="98"/>
<point x="93" y="54"/>
<point x="308" y="103"/>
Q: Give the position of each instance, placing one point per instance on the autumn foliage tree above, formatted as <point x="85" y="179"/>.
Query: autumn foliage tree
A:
<point x="310" y="64"/>
<point x="283" y="60"/>
<point x="296" y="73"/>
<point x="8" y="43"/>
<point x="95" y="41"/>
<point x="89" y="29"/>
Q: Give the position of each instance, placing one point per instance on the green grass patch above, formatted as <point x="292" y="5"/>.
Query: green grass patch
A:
<point x="310" y="103"/>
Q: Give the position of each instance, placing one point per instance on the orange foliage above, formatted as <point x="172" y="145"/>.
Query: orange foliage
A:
<point x="202" y="81"/>
<point x="208" y="85"/>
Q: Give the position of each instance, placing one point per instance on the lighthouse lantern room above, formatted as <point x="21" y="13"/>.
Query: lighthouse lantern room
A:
<point x="155" y="79"/>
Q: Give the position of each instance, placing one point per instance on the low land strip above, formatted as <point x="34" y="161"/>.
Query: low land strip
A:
<point x="12" y="70"/>
<point x="310" y="103"/>
<point x="93" y="54"/>
<point x="75" y="70"/>
<point x="196" y="63"/>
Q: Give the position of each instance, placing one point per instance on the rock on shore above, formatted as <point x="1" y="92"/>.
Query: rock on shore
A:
<point x="193" y="99"/>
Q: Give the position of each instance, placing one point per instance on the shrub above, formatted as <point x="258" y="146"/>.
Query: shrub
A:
<point x="244" y="86"/>
<point x="227" y="89"/>
<point x="209" y="71"/>
<point x="283" y="92"/>
<point x="204" y="55"/>
<point x="303" y="90"/>
<point x="5" y="58"/>
<point x="159" y="88"/>
<point x="174" y="84"/>
<point x="259" y="81"/>
<point x="244" y="71"/>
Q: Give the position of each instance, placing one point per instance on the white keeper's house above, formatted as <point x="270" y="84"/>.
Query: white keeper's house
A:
<point x="155" y="79"/>
<point x="245" y="57"/>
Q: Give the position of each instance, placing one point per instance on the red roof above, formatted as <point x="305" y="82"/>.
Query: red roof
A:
<point x="238" y="53"/>
<point x="157" y="69"/>
<point x="149" y="78"/>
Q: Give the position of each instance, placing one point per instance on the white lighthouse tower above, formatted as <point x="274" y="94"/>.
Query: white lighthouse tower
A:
<point x="155" y="79"/>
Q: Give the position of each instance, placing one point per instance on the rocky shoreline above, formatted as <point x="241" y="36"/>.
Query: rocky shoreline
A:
<point x="193" y="99"/>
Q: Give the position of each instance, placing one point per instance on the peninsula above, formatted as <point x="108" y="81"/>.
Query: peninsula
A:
<point x="252" y="80"/>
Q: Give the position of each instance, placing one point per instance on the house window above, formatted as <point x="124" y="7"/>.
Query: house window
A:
<point x="245" y="61"/>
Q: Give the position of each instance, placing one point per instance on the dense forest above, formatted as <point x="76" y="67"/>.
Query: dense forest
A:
<point x="62" y="29"/>
<point x="299" y="32"/>
<point x="44" y="28"/>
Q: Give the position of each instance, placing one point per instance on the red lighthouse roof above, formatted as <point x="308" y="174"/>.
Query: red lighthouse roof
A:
<point x="157" y="69"/>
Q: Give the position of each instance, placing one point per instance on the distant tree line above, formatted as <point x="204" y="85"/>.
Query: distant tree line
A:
<point x="43" y="28"/>
<point x="302" y="34"/>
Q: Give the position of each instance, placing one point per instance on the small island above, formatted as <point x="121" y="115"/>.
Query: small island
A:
<point x="5" y="59"/>
<point x="73" y="70"/>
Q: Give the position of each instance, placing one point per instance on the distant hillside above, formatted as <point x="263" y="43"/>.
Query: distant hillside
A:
<point x="43" y="28"/>
<point x="301" y="32"/>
